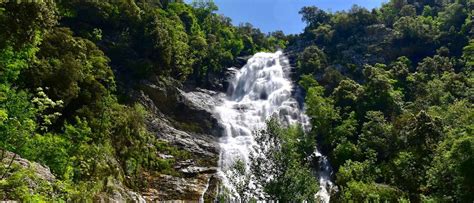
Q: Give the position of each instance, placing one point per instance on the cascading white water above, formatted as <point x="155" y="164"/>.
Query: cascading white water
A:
<point x="259" y="90"/>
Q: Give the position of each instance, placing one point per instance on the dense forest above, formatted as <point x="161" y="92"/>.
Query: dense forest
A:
<point x="66" y="68"/>
<point x="390" y="96"/>
<point x="389" y="91"/>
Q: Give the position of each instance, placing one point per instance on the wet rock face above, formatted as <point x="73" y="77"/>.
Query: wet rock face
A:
<point x="117" y="192"/>
<point x="200" y="187"/>
<point x="171" y="188"/>
<point x="194" y="173"/>
<point x="184" y="119"/>
<point x="189" y="111"/>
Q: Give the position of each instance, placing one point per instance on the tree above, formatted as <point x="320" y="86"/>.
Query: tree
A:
<point x="313" y="16"/>
<point x="18" y="121"/>
<point x="289" y="153"/>
<point x="468" y="54"/>
<point x="355" y="171"/>
<point x="379" y="91"/>
<point x="399" y="84"/>
<point x="377" y="135"/>
<point x="205" y="5"/>
<point x="435" y="66"/>
<point x="343" y="152"/>
<point x="453" y="15"/>
<point x="390" y="11"/>
<point x="415" y="36"/>
<point x="320" y="110"/>
<point x="405" y="172"/>
<point x="408" y="10"/>
<point x="311" y="61"/>
<point x="450" y="175"/>
<point x="170" y="45"/>
<point x="25" y="22"/>
<point x="347" y="95"/>
<point x="424" y="133"/>
<point x="371" y="192"/>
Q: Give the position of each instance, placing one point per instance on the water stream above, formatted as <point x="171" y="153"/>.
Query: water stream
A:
<point x="259" y="90"/>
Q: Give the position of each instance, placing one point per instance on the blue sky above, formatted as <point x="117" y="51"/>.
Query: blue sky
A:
<point x="272" y="15"/>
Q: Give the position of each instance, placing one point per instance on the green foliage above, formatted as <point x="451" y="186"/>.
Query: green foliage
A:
<point x="453" y="16"/>
<point x="58" y="102"/>
<point x="363" y="192"/>
<point x="379" y="91"/>
<point x="43" y="105"/>
<point x="376" y="135"/>
<point x="413" y="28"/>
<point x="312" y="60"/>
<point x="51" y="150"/>
<point x="321" y="110"/>
<point x="72" y="69"/>
<point x="24" y="22"/>
<point x="17" y="185"/>
<point x="172" y="39"/>
<point x="307" y="81"/>
<point x="394" y="112"/>
<point x="355" y="171"/>
<point x="19" y="124"/>
<point x="287" y="152"/>
<point x="447" y="177"/>
<point x="348" y="94"/>
<point x="468" y="54"/>
<point x="13" y="62"/>
<point x="406" y="172"/>
<point x="296" y="184"/>
<point x="435" y="66"/>
<point x="314" y="16"/>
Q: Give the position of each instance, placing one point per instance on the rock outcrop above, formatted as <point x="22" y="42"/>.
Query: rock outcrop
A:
<point x="189" y="111"/>
<point x="39" y="179"/>
<point x="43" y="173"/>
<point x="185" y="120"/>
<point x="117" y="192"/>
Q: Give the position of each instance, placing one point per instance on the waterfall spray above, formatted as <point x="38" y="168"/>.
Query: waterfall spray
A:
<point x="259" y="90"/>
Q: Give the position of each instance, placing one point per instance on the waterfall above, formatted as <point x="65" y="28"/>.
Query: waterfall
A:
<point x="257" y="91"/>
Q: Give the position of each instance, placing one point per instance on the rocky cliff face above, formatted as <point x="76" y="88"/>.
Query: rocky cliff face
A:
<point x="185" y="120"/>
<point x="41" y="173"/>
<point x="39" y="179"/>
